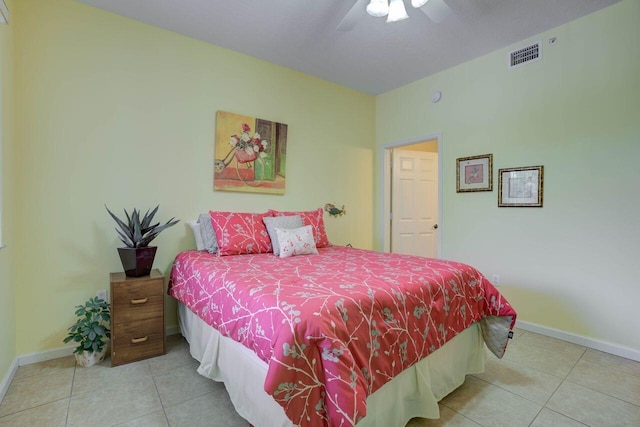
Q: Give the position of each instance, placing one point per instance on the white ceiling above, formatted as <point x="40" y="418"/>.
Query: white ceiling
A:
<point x="375" y="56"/>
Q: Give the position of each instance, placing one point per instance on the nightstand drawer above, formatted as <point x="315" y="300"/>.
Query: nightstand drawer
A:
<point x="137" y="301"/>
<point x="137" y="340"/>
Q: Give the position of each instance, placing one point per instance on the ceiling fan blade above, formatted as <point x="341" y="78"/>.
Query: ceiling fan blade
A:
<point x="353" y="16"/>
<point x="436" y="10"/>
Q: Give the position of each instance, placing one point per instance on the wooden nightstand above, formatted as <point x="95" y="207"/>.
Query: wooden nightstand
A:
<point x="137" y="317"/>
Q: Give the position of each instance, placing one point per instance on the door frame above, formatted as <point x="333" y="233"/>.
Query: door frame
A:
<point x="386" y="186"/>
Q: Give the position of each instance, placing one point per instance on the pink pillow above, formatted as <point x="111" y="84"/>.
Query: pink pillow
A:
<point x="240" y="233"/>
<point x="315" y="220"/>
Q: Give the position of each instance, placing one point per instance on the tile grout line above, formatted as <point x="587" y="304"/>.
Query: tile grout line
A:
<point x="603" y="393"/>
<point x="565" y="379"/>
<point x="462" y="415"/>
<point x="602" y="365"/>
<point x="592" y="389"/>
<point x="14" y="380"/>
<point x="563" y="415"/>
<point x="148" y="413"/>
<point x="153" y="378"/>
<point x="73" y="380"/>
<point x="559" y="385"/>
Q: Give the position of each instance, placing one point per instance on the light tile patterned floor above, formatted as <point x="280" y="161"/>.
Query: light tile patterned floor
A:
<point x="540" y="382"/>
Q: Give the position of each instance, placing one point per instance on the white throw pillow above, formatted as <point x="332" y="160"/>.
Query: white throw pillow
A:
<point x="195" y="228"/>
<point x="297" y="241"/>
<point x="271" y="222"/>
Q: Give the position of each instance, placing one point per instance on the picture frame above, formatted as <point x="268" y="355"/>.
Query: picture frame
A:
<point x="521" y="187"/>
<point x="4" y="13"/>
<point x="474" y="173"/>
<point x="250" y="154"/>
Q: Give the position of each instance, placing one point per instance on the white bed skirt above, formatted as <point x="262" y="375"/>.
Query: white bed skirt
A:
<point x="413" y="393"/>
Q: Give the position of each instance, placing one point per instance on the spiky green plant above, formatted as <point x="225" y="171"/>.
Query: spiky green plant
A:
<point x="92" y="326"/>
<point x="136" y="232"/>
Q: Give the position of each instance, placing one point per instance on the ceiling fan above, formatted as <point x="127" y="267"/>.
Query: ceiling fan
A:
<point x="394" y="10"/>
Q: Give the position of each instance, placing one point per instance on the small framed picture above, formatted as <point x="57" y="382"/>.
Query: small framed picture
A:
<point x="521" y="187"/>
<point x="474" y="173"/>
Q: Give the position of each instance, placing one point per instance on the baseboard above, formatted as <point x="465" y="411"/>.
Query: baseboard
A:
<point x="607" y="347"/>
<point x="173" y="330"/>
<point x="28" y="359"/>
<point x="41" y="356"/>
<point x="6" y="381"/>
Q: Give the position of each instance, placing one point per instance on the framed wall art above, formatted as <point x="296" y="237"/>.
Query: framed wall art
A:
<point x="250" y="154"/>
<point x="521" y="187"/>
<point x="474" y="173"/>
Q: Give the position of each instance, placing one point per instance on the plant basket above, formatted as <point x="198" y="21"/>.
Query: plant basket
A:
<point x="87" y="359"/>
<point x="137" y="262"/>
<point x="243" y="156"/>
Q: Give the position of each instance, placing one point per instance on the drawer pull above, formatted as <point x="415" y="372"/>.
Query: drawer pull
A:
<point x="139" y="340"/>
<point x="139" y="301"/>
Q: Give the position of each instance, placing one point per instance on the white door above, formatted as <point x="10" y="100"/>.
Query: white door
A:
<point x="414" y="203"/>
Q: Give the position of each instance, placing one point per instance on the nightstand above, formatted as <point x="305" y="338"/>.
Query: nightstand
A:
<point x="137" y="317"/>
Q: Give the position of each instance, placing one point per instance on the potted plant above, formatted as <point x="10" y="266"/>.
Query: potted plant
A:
<point x="90" y="331"/>
<point x="136" y="233"/>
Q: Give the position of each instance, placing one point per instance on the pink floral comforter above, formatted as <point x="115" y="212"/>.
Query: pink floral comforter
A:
<point x="335" y="327"/>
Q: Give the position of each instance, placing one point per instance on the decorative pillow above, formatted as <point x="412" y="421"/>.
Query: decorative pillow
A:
<point x="208" y="235"/>
<point x="195" y="228"/>
<point x="297" y="241"/>
<point x="287" y="222"/>
<point x="315" y="220"/>
<point x="240" y="233"/>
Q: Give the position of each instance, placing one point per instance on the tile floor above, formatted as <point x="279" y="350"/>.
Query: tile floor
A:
<point x="540" y="382"/>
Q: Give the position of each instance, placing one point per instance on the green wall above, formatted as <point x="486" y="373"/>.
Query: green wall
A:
<point x="7" y="272"/>
<point x="114" y="111"/>
<point x="571" y="265"/>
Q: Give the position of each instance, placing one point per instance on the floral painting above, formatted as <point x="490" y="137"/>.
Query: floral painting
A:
<point x="249" y="154"/>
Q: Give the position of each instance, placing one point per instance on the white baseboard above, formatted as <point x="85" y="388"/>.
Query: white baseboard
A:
<point x="41" y="356"/>
<point x="6" y="381"/>
<point x="607" y="347"/>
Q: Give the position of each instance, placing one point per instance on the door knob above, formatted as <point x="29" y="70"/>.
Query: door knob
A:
<point x="435" y="226"/>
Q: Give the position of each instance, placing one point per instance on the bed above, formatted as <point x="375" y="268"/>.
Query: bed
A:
<point x="338" y="338"/>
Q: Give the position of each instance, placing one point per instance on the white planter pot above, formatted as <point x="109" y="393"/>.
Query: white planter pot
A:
<point x="87" y="359"/>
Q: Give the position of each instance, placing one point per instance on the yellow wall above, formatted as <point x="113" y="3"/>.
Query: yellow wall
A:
<point x="571" y="265"/>
<point x="109" y="110"/>
<point x="7" y="273"/>
<point x="118" y="112"/>
<point x="428" y="146"/>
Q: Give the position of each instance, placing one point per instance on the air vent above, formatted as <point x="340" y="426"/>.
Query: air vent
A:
<point x="525" y="55"/>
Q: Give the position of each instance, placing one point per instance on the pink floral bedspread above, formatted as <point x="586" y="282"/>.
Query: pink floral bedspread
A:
<point x="335" y="327"/>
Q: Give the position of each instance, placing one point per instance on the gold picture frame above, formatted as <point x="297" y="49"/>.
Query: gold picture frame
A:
<point x="521" y="187"/>
<point x="474" y="173"/>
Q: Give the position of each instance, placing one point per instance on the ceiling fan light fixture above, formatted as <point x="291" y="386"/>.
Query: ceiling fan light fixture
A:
<point x="378" y="8"/>
<point x="418" y="3"/>
<point x="397" y="12"/>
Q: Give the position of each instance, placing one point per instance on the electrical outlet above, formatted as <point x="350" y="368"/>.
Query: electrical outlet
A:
<point x="496" y="279"/>
<point x="102" y="294"/>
